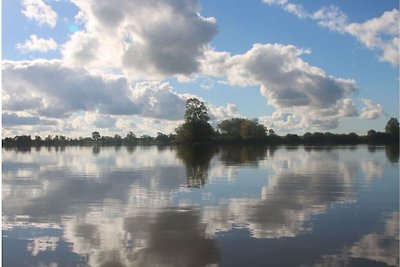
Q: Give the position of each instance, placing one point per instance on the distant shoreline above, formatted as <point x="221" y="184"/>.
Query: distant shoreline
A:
<point x="288" y="140"/>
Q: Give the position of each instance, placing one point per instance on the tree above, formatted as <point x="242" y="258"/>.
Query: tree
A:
<point x="231" y="129"/>
<point x="392" y="127"/>
<point x="117" y="139"/>
<point x="130" y="138"/>
<point x="95" y="136"/>
<point x="162" y="139"/>
<point x="196" y="110"/>
<point x="196" y="127"/>
<point x="242" y="129"/>
<point x="371" y="133"/>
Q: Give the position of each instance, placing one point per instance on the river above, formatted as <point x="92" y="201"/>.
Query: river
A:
<point x="200" y="206"/>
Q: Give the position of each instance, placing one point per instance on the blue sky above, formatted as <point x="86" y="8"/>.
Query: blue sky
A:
<point x="72" y="67"/>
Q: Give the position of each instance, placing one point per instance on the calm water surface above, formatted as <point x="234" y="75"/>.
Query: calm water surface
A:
<point x="216" y="206"/>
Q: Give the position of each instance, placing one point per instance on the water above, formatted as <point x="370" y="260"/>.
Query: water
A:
<point x="215" y="206"/>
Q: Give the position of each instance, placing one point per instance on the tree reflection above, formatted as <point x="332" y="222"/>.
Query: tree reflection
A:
<point x="392" y="153"/>
<point x="244" y="155"/>
<point x="96" y="149"/>
<point x="197" y="162"/>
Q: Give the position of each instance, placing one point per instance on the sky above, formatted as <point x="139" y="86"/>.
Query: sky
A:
<point x="71" y="67"/>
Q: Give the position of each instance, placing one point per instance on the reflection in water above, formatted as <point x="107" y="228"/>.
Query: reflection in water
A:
<point x="197" y="161"/>
<point x="168" y="237"/>
<point x="241" y="155"/>
<point x="246" y="206"/>
<point x="96" y="148"/>
<point x="379" y="247"/>
<point x="174" y="238"/>
<point x="392" y="153"/>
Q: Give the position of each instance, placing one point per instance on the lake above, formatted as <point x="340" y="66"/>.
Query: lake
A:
<point x="200" y="206"/>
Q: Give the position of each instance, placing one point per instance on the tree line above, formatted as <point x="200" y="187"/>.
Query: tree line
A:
<point x="196" y="129"/>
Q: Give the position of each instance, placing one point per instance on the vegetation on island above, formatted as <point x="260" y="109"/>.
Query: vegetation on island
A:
<point x="196" y="129"/>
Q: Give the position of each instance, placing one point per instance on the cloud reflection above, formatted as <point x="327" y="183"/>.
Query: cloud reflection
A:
<point x="378" y="247"/>
<point x="167" y="237"/>
<point x="126" y="207"/>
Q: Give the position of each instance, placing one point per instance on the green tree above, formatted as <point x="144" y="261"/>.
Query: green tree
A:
<point x="392" y="127"/>
<point x="196" y="127"/>
<point x="162" y="139"/>
<point x="196" y="110"/>
<point x="231" y="129"/>
<point x="371" y="133"/>
<point x="95" y="135"/>
<point x="242" y="129"/>
<point x="117" y="139"/>
<point x="130" y="138"/>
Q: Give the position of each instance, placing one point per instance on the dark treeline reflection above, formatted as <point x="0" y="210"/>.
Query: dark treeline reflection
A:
<point x="197" y="162"/>
<point x="245" y="155"/>
<point x="392" y="153"/>
<point x="129" y="206"/>
<point x="197" y="157"/>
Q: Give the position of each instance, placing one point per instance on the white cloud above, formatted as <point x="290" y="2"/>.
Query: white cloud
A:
<point x="39" y="11"/>
<point x="223" y="112"/>
<point x="303" y="95"/>
<point x="370" y="110"/>
<point x="156" y="100"/>
<point x="307" y="119"/>
<point x="46" y="92"/>
<point x="37" y="44"/>
<point x="146" y="39"/>
<point x="332" y="18"/>
<point x="381" y="33"/>
<point x="47" y="88"/>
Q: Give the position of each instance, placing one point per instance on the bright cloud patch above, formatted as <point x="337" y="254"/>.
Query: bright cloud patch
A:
<point x="380" y="33"/>
<point x="370" y="110"/>
<point x="37" y="10"/>
<point x="47" y="88"/>
<point x="47" y="91"/>
<point x="37" y="44"/>
<point x="147" y="39"/>
<point x="302" y="94"/>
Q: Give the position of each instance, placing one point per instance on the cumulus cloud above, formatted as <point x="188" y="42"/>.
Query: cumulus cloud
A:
<point x="223" y="112"/>
<point x="331" y="17"/>
<point x="381" y="33"/>
<point x="46" y="90"/>
<point x="37" y="10"/>
<point x="35" y="86"/>
<point x="157" y="100"/>
<point x="9" y="119"/>
<point x="370" y="110"/>
<point x="147" y="39"/>
<point x="307" y="119"/>
<point x="37" y="44"/>
<point x="302" y="94"/>
<point x="52" y="90"/>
